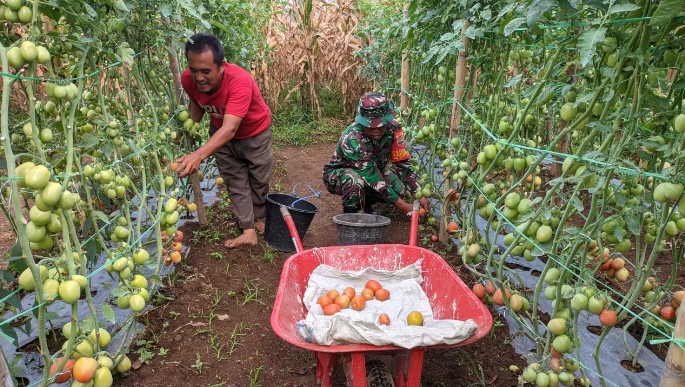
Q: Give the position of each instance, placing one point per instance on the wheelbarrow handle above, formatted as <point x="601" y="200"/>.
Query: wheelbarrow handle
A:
<point x="291" y="228"/>
<point x="414" y="228"/>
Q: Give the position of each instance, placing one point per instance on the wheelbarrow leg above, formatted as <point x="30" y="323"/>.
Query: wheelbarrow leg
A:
<point x="325" y="362"/>
<point x="408" y="365"/>
<point x="355" y="369"/>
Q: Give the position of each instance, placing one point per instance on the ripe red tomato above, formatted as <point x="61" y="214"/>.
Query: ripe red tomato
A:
<point x="382" y="294"/>
<point x="373" y="285"/>
<point x="608" y="318"/>
<point x="84" y="369"/>
<point x="667" y="313"/>
<point x="324" y="301"/>
<point x="331" y="309"/>
<point x="343" y="301"/>
<point x="350" y="292"/>
<point x="65" y="374"/>
<point x="479" y="291"/>
<point x="384" y="319"/>
<point x="368" y="294"/>
<point x="358" y="302"/>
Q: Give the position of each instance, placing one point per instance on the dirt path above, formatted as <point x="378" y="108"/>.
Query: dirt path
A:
<point x="216" y="330"/>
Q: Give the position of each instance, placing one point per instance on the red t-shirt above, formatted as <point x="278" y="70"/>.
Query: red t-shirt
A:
<point x="238" y="95"/>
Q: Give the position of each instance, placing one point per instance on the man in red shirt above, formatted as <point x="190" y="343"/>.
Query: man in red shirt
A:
<point x="240" y="131"/>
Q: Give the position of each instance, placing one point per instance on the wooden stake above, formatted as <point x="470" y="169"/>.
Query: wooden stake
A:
<point x="194" y="178"/>
<point x="674" y="372"/>
<point x="455" y="119"/>
<point x="405" y="82"/>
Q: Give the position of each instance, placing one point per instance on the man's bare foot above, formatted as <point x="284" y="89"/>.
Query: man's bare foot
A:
<point x="259" y="225"/>
<point x="248" y="237"/>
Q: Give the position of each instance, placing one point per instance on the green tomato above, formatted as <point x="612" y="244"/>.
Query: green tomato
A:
<point x="104" y="339"/>
<point x="141" y="256"/>
<point x="28" y="50"/>
<point x="562" y="343"/>
<point x="139" y="281"/>
<point x="69" y="291"/>
<point x="38" y="217"/>
<point x="14" y="57"/>
<point x="14" y="5"/>
<point x="124" y="365"/>
<point x="26" y="280"/>
<point x="568" y="111"/>
<point x="51" y="193"/>
<point x="50" y="289"/>
<point x="137" y="303"/>
<point x="35" y="232"/>
<point x="37" y="177"/>
<point x="558" y="326"/>
<point x="103" y="377"/>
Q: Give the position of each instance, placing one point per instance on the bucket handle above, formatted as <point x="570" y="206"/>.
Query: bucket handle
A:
<point x="315" y="194"/>
<point x="292" y="229"/>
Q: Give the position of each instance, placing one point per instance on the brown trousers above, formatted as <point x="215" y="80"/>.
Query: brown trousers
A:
<point x="245" y="165"/>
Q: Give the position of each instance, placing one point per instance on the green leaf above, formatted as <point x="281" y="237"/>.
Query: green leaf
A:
<point x="633" y="223"/>
<point x="617" y="8"/>
<point x="513" y="25"/>
<point x="120" y="6"/>
<point x="101" y="216"/>
<point x="9" y="334"/>
<point x="12" y="300"/>
<point x="588" y="42"/>
<point x="108" y="313"/>
<point x="165" y="9"/>
<point x="18" y="264"/>
<point x="667" y="10"/>
<point x="577" y="204"/>
<point x="126" y="53"/>
<point x="536" y="10"/>
<point x="88" y="141"/>
<point x="513" y="81"/>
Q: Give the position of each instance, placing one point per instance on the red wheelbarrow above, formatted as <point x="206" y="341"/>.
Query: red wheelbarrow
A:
<point x="449" y="298"/>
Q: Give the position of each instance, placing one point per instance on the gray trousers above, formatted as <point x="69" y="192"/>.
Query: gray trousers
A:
<point x="246" y="165"/>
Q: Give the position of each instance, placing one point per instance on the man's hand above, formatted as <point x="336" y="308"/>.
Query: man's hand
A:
<point x="188" y="164"/>
<point x="424" y="203"/>
<point x="403" y="206"/>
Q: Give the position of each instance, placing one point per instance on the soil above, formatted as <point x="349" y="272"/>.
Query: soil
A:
<point x="216" y="329"/>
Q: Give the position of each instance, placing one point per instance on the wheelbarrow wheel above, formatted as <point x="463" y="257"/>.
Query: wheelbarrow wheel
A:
<point x="378" y="374"/>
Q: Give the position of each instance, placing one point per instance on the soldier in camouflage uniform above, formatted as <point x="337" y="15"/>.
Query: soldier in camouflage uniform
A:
<point x="370" y="164"/>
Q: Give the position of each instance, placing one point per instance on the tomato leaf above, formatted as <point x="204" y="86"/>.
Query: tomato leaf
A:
<point x="120" y="6"/>
<point x="126" y="53"/>
<point x="535" y="10"/>
<point x="513" y="25"/>
<point x="587" y="44"/>
<point x="667" y="10"/>
<point x="17" y="264"/>
<point x="88" y="141"/>
<point x="617" y="8"/>
<point x="633" y="223"/>
<point x="165" y="9"/>
<point x="9" y="334"/>
<point x="12" y="300"/>
<point x="108" y="313"/>
<point x="577" y="204"/>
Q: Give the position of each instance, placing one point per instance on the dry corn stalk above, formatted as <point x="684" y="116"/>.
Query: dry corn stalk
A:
<point x="312" y="42"/>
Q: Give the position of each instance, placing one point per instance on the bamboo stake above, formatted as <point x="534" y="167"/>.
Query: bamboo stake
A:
<point x="405" y="82"/>
<point x="455" y="119"/>
<point x="194" y="178"/>
<point x="674" y="372"/>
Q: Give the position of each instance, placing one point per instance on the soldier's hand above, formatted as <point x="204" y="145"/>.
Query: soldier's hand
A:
<point x="424" y="203"/>
<point x="403" y="206"/>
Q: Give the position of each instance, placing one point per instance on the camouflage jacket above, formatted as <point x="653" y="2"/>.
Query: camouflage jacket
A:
<point x="372" y="160"/>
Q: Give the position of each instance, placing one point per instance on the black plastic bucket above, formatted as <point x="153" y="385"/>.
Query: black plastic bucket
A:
<point x="276" y="231"/>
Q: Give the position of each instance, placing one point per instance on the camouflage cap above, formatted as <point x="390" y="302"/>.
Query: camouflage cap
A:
<point x="374" y="110"/>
